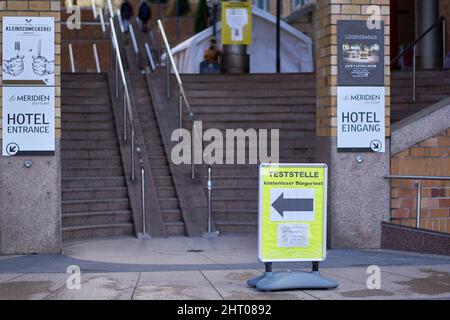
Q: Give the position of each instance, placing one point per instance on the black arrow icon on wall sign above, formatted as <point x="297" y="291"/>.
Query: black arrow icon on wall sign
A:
<point x="282" y="205"/>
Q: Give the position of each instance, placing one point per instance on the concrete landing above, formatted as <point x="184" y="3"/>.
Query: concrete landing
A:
<point x="195" y="268"/>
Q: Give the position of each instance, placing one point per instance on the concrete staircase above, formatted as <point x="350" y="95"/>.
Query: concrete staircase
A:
<point x="95" y="199"/>
<point x="432" y="87"/>
<point x="162" y="176"/>
<point x="285" y="102"/>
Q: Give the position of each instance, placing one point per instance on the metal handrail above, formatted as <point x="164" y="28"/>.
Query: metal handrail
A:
<point x="195" y="134"/>
<point x="127" y="111"/>
<point x="150" y="57"/>
<point x="441" y="21"/>
<point x="97" y="61"/>
<point x="128" y="115"/>
<point x="418" y="185"/>
<point x="72" y="60"/>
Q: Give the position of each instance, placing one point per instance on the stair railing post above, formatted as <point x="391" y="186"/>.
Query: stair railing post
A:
<point x="117" y="74"/>
<point x="180" y="106"/>
<point x="418" y="203"/>
<point x="124" y="116"/>
<point x="444" y="44"/>
<point x="191" y="115"/>
<point x="133" y="156"/>
<point x="209" y="199"/>
<point x="144" y="213"/>
<point x="414" y="73"/>
<point x="167" y="75"/>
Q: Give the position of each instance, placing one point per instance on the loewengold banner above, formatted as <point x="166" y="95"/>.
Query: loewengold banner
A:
<point x="28" y="121"/>
<point x="360" y="54"/>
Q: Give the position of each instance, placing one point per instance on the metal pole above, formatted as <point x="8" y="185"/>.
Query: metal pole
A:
<point x="180" y="104"/>
<point x="192" y="146"/>
<point x="144" y="213"/>
<point x="97" y="61"/>
<point x="167" y="75"/>
<point x="278" y="61"/>
<point x="117" y="74"/>
<point x="133" y="157"/>
<point x="315" y="266"/>
<point x="124" y="117"/>
<point x="268" y="266"/>
<point x="414" y="74"/>
<point x="444" y="43"/>
<point x="419" y="203"/>
<point x="72" y="61"/>
<point x="209" y="198"/>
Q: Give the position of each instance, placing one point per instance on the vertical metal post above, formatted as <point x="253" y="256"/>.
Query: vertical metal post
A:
<point x="124" y="116"/>
<point x="315" y="266"/>
<point x="97" y="61"/>
<point x="414" y="73"/>
<point x="168" y="75"/>
<point x="268" y="266"/>
<point x="180" y="105"/>
<point x="144" y="213"/>
<point x="72" y="60"/>
<point x="278" y="59"/>
<point x="117" y="74"/>
<point x="133" y="156"/>
<point x="444" y="44"/>
<point x="192" y="146"/>
<point x="209" y="198"/>
<point x="419" y="203"/>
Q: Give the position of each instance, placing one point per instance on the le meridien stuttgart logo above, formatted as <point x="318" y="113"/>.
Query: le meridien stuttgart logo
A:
<point x="30" y="97"/>
<point x="365" y="98"/>
<point x="233" y="146"/>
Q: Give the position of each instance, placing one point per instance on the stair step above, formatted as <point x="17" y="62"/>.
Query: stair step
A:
<point x="94" y="193"/>
<point x="93" y="182"/>
<point x="96" y="231"/>
<point x="92" y="172"/>
<point x="95" y="205"/>
<point x="174" y="228"/>
<point x="79" y="219"/>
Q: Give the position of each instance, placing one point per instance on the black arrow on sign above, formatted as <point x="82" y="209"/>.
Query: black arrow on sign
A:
<point x="12" y="149"/>
<point x="282" y="205"/>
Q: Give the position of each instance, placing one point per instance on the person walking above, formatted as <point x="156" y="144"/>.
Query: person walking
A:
<point x="145" y="14"/>
<point x="126" y="12"/>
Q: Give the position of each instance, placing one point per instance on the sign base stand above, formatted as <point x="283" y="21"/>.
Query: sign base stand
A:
<point x="291" y="280"/>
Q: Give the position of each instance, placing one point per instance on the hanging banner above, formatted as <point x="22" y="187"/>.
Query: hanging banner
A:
<point x="28" y="51"/>
<point x="360" y="54"/>
<point x="292" y="212"/>
<point x="361" y="119"/>
<point x="28" y="121"/>
<point x="236" y="23"/>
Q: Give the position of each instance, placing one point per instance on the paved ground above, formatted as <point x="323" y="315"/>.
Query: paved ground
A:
<point x="183" y="268"/>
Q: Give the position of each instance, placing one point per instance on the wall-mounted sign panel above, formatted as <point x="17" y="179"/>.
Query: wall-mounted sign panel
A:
<point x="28" y="121"/>
<point x="361" y="119"/>
<point x="236" y="22"/>
<point x="360" y="54"/>
<point x="28" y="51"/>
<point x="292" y="212"/>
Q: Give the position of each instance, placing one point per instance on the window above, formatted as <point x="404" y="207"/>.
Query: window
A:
<point x="262" y="4"/>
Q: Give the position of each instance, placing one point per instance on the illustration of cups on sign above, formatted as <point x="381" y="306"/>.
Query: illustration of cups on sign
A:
<point x="28" y="51"/>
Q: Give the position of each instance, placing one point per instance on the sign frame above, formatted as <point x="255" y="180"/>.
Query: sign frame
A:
<point x="31" y="50"/>
<point x="261" y="213"/>
<point x="226" y="31"/>
<point x="344" y="105"/>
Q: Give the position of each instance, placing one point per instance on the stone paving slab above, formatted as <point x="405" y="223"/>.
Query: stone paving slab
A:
<point x="416" y="282"/>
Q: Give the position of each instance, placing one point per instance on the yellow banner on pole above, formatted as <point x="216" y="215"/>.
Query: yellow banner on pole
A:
<point x="236" y="22"/>
<point x="292" y="212"/>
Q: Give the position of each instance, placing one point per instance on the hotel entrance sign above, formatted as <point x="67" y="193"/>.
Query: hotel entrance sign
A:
<point x="360" y="54"/>
<point x="28" y="51"/>
<point x="28" y="121"/>
<point x="361" y="119"/>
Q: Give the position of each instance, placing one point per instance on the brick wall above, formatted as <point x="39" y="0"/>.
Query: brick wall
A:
<point x="328" y="13"/>
<point x="431" y="158"/>
<point x="43" y="9"/>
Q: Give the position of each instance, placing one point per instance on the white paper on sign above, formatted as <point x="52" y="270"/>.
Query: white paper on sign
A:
<point x="236" y="20"/>
<point x="293" y="235"/>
